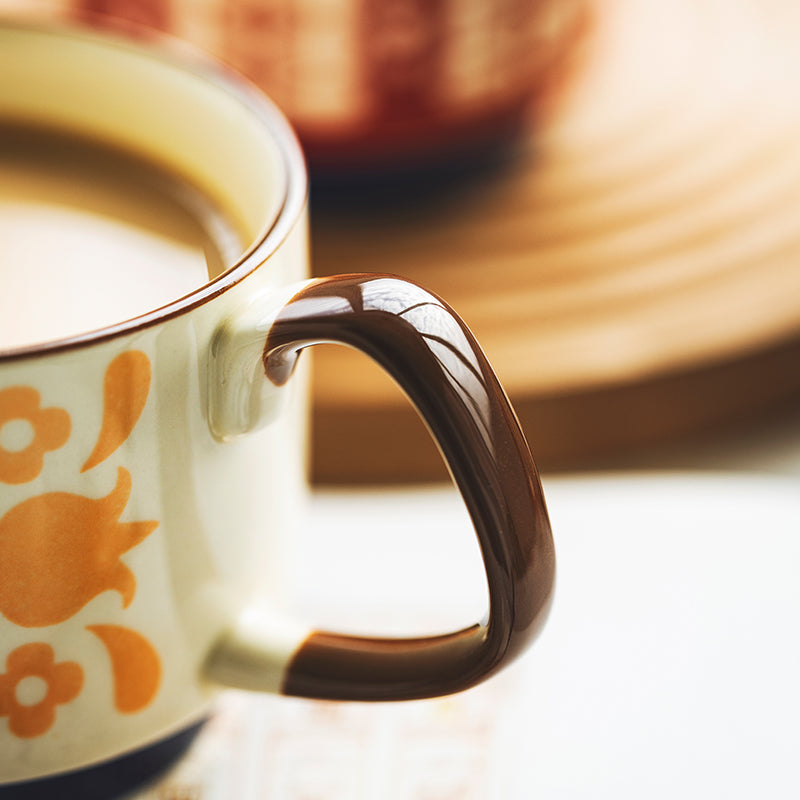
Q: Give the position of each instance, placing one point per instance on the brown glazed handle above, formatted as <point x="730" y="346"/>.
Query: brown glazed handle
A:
<point x="432" y="355"/>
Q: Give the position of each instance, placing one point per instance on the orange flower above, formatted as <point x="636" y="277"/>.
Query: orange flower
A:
<point x="27" y="432"/>
<point x="33" y="686"/>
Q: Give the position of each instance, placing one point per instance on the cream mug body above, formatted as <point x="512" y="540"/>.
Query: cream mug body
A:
<point x="160" y="516"/>
<point x="152" y="469"/>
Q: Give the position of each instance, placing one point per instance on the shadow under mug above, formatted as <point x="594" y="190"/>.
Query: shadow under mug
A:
<point x="140" y="566"/>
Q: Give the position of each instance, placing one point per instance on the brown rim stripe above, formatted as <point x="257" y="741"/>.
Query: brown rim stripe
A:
<point x="163" y="49"/>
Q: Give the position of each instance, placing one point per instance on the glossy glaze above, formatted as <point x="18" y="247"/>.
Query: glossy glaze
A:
<point x="170" y="527"/>
<point x="131" y="538"/>
<point x="433" y="356"/>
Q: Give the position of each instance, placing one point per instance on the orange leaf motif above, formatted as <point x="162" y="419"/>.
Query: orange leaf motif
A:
<point x="49" y="430"/>
<point x="125" y="390"/>
<point x="60" y="550"/>
<point x="135" y="664"/>
<point x="62" y="684"/>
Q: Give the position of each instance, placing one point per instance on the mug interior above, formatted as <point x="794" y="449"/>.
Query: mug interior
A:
<point x="166" y="104"/>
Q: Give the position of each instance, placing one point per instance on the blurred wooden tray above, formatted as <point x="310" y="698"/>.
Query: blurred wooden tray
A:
<point x="633" y="275"/>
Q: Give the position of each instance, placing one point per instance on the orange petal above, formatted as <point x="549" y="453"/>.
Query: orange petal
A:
<point x="135" y="664"/>
<point x="7" y="688"/>
<point x="126" y="386"/>
<point x="53" y="427"/>
<point x="27" y="722"/>
<point x="36" y="658"/>
<point x="18" y="401"/>
<point x="66" y="682"/>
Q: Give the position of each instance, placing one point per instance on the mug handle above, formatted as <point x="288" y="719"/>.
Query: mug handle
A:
<point x="434" y="358"/>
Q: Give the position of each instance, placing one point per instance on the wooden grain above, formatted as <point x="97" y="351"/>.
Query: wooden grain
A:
<point x="646" y="236"/>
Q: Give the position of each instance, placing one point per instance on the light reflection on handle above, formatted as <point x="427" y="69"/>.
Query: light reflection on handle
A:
<point x="433" y="356"/>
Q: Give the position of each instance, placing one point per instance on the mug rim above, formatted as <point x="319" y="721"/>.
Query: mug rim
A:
<point x="183" y="56"/>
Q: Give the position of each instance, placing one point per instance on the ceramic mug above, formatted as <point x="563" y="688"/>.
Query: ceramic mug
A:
<point x="151" y="469"/>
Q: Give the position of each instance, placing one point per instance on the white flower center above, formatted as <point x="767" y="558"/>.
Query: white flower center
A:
<point x="16" y="435"/>
<point x="31" y="690"/>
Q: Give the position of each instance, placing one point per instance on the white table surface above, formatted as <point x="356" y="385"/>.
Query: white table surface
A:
<point x="669" y="666"/>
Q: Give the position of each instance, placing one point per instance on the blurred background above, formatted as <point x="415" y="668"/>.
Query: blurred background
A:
<point x="607" y="192"/>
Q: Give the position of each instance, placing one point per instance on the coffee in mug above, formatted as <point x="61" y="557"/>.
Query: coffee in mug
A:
<point x="72" y="233"/>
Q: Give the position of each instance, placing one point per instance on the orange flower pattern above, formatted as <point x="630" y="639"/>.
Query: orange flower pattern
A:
<point x="43" y="429"/>
<point x="135" y="664"/>
<point x="58" y="550"/>
<point x="53" y="685"/>
<point x="125" y="390"/>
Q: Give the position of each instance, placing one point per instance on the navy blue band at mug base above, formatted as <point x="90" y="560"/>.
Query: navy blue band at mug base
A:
<point x="110" y="779"/>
